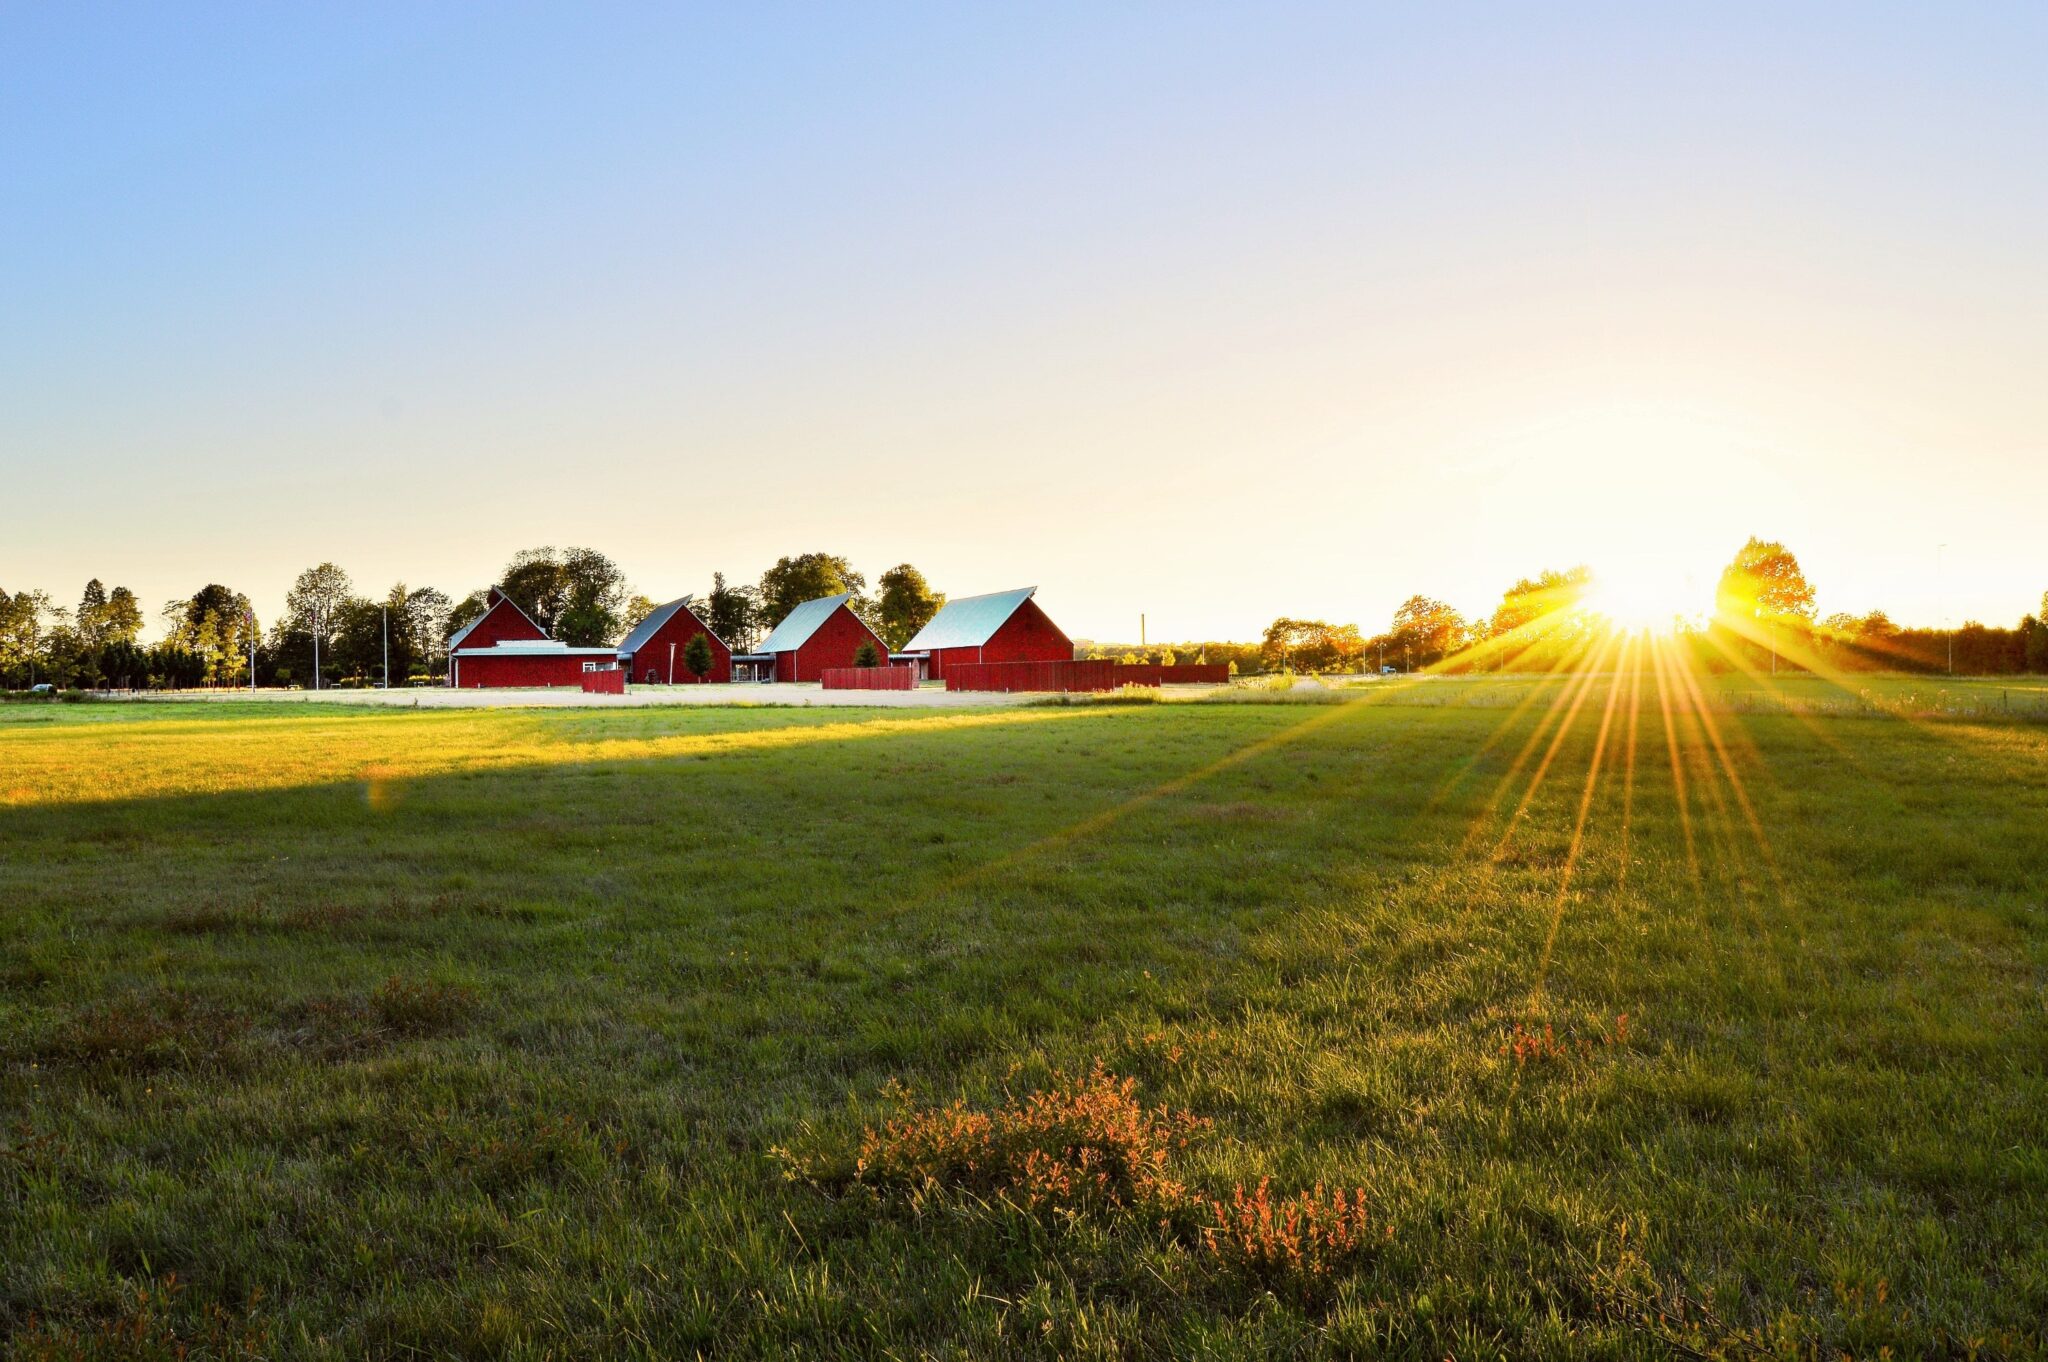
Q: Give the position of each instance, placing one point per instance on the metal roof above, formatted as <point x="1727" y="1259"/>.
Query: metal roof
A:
<point x="649" y="627"/>
<point x="529" y="647"/>
<point x="799" y="624"/>
<point x="970" y="621"/>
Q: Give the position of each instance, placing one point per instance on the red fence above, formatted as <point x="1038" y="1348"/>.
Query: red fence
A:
<point x="1180" y="674"/>
<point x="1093" y="675"/>
<point x="611" y="681"/>
<point x="869" y="678"/>
<point x="1032" y="676"/>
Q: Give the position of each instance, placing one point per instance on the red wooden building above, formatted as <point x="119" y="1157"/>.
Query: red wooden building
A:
<point x="653" y="651"/>
<point x="815" y="635"/>
<point x="1003" y="626"/>
<point x="504" y="647"/>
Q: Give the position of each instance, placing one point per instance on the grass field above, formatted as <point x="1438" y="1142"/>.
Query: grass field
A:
<point x="334" y="1033"/>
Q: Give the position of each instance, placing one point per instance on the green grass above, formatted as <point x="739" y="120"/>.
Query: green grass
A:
<point x="334" y="1033"/>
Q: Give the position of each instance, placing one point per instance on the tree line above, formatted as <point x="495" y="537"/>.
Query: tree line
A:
<point x="1763" y="618"/>
<point x="578" y="595"/>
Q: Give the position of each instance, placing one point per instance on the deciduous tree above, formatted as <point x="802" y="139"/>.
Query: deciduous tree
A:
<point x="733" y="612"/>
<point x="792" y="581"/>
<point x="90" y="621"/>
<point x="1545" y="601"/>
<point x="906" y="604"/>
<point x="121" y="619"/>
<point x="578" y="595"/>
<point x="1310" y="645"/>
<point x="317" y="595"/>
<point x="698" y="657"/>
<point x="1764" y="583"/>
<point x="1426" y="631"/>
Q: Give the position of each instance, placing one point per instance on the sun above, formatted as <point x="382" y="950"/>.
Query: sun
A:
<point x="1638" y="598"/>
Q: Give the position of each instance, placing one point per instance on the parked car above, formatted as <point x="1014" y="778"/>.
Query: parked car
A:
<point x="42" y="688"/>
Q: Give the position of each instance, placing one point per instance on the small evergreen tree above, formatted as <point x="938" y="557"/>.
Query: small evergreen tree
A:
<point x="865" y="655"/>
<point x="697" y="657"/>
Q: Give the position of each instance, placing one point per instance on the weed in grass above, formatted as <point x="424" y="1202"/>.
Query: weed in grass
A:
<point x="1079" y="1143"/>
<point x="150" y="1323"/>
<point x="351" y="1024"/>
<point x="421" y="1007"/>
<point x="213" y="917"/>
<point x="1539" y="1044"/>
<point x="143" y="1031"/>
<point x="1296" y="1245"/>
<point x="1088" y="1147"/>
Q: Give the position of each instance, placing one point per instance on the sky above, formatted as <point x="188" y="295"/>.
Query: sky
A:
<point x="1210" y="313"/>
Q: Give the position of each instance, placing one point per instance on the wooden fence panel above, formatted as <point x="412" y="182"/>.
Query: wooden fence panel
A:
<point x="1033" y="676"/>
<point x="868" y="678"/>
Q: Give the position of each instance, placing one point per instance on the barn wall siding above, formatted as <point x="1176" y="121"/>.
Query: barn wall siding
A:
<point x="502" y="622"/>
<point x="651" y="662"/>
<point x="1029" y="635"/>
<point x="833" y="645"/>
<point x="532" y="670"/>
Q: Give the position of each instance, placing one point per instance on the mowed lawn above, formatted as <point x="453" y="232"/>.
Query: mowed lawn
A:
<point x="339" y="1033"/>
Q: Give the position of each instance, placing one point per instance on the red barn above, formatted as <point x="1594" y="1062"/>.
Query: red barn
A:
<point x="816" y="635"/>
<point x="654" y="650"/>
<point x="1003" y="626"/>
<point x="504" y="647"/>
<point x="501" y="620"/>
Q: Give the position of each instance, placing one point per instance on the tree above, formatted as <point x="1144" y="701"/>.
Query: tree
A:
<point x="317" y="596"/>
<point x="697" y="658"/>
<point x="1762" y="594"/>
<point x="172" y="613"/>
<point x="1550" y="595"/>
<point x="355" y="649"/>
<point x="792" y="581"/>
<point x="30" y="619"/>
<point x="1765" y="584"/>
<point x="1309" y="645"/>
<point x="425" y="611"/>
<point x="1426" y="631"/>
<point x="218" y="627"/>
<point x="637" y="609"/>
<point x="20" y="637"/>
<point x="2034" y="640"/>
<point x="123" y="663"/>
<point x="92" y="612"/>
<point x="733" y="612"/>
<point x="906" y="604"/>
<point x="865" y="655"/>
<point x="578" y="595"/>
<point x="121" y="619"/>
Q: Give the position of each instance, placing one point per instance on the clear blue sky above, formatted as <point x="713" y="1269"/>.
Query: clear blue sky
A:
<point x="1210" y="312"/>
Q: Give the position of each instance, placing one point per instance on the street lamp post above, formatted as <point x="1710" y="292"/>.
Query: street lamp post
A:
<point x="387" y="647"/>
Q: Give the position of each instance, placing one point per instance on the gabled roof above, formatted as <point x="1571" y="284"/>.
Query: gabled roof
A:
<point x="970" y="621"/>
<point x="496" y="599"/>
<point x="658" y="617"/>
<point x="530" y="647"/>
<point x="799" y="624"/>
